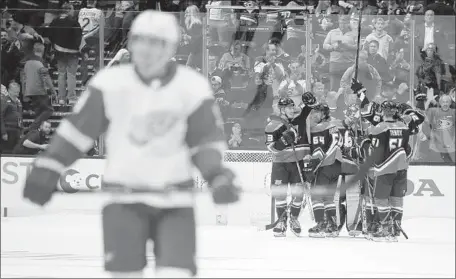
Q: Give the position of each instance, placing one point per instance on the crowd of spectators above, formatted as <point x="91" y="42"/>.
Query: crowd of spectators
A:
<point x="252" y="55"/>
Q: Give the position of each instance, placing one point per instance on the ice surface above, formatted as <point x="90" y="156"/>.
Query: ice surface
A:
<point x="70" y="246"/>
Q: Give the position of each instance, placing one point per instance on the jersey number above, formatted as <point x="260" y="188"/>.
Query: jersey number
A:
<point x="86" y="22"/>
<point x="346" y="141"/>
<point x="318" y="140"/>
<point x="395" y="143"/>
<point x="269" y="138"/>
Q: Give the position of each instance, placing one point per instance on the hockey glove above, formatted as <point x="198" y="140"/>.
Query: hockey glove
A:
<point x="420" y="95"/>
<point x="40" y="185"/>
<point x="289" y="136"/>
<point x="309" y="169"/>
<point x="309" y="99"/>
<point x="223" y="189"/>
<point x="357" y="87"/>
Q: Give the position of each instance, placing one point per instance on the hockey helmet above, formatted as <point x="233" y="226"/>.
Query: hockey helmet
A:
<point x="309" y="99"/>
<point x="285" y="102"/>
<point x="160" y="25"/>
<point x="389" y="107"/>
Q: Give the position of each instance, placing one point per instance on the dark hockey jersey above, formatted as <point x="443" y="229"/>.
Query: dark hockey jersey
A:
<point x="372" y="113"/>
<point x="388" y="143"/>
<point x="274" y="131"/>
<point x="331" y="141"/>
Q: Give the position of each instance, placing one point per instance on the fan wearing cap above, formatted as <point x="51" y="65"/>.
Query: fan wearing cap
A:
<point x="157" y="129"/>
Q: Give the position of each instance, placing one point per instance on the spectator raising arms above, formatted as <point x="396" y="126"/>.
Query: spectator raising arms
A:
<point x="441" y="130"/>
<point x="10" y="118"/>
<point x="34" y="141"/>
<point x="65" y="34"/>
<point x="38" y="82"/>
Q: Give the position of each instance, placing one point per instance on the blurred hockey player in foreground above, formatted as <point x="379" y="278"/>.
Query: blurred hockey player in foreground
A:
<point x="159" y="121"/>
<point x="325" y="166"/>
<point x="287" y="140"/>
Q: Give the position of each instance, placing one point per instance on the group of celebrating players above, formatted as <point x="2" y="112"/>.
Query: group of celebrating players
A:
<point x="325" y="160"/>
<point x="153" y="146"/>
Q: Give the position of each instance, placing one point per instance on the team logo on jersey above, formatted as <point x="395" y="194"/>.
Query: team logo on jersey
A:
<point x="149" y="127"/>
<point x="444" y="124"/>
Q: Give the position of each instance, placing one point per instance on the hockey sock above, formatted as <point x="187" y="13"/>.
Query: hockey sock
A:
<point x="281" y="207"/>
<point x="295" y="207"/>
<point x="383" y="210"/>
<point x="396" y="204"/>
<point x="319" y="211"/>
<point x="330" y="211"/>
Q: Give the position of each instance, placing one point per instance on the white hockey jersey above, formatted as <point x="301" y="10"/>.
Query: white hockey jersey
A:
<point x="154" y="133"/>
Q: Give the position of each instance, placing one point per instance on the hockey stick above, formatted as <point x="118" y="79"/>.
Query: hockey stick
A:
<point x="359" y="40"/>
<point x="400" y="229"/>
<point x="337" y="199"/>
<point x="304" y="184"/>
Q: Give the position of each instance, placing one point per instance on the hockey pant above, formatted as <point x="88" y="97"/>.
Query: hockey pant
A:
<point x="282" y="175"/>
<point x="389" y="191"/>
<point x="128" y="227"/>
<point x="323" y="192"/>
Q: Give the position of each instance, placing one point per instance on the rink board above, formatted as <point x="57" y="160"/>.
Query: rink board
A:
<point x="431" y="192"/>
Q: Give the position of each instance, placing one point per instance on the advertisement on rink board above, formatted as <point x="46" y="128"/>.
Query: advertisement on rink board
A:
<point x="430" y="191"/>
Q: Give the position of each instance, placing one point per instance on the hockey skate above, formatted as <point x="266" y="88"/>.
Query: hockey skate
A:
<point x="331" y="229"/>
<point x="318" y="230"/>
<point x="295" y="226"/>
<point x="371" y="229"/>
<point x="280" y="230"/>
<point x="383" y="234"/>
<point x="357" y="231"/>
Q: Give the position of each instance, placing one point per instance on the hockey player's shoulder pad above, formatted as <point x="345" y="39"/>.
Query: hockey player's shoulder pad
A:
<point x="274" y="130"/>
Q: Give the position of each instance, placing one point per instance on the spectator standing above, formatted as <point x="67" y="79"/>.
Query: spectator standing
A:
<point x="367" y="75"/>
<point x="429" y="72"/>
<point x="440" y="8"/>
<point x="341" y="43"/>
<point x="90" y="19"/>
<point x="11" y="118"/>
<point x="430" y="32"/>
<point x="10" y="58"/>
<point x="65" y="34"/>
<point x="194" y="33"/>
<point x="24" y="34"/>
<point x="440" y="129"/>
<point x="38" y="82"/>
<point x="379" y="34"/>
<point x="34" y="141"/>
